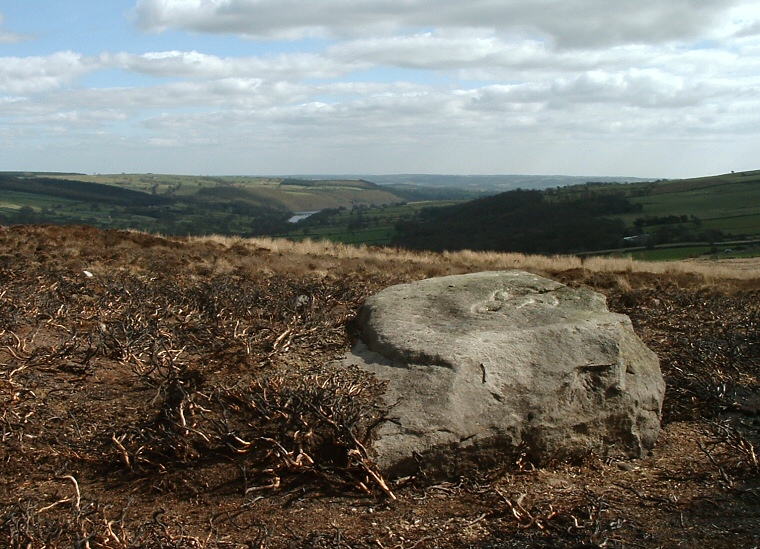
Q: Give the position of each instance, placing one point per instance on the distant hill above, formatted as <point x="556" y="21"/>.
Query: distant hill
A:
<point x="662" y="219"/>
<point x="72" y="189"/>
<point x="492" y="183"/>
<point x="444" y="187"/>
<point x="691" y="215"/>
<point x="176" y="204"/>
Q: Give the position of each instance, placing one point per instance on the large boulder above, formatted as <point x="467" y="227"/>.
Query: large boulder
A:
<point x="483" y="367"/>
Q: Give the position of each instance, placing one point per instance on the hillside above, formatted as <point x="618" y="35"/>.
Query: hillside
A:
<point x="726" y="206"/>
<point x="716" y="216"/>
<point x="664" y="219"/>
<point x="175" y="393"/>
<point x="177" y="205"/>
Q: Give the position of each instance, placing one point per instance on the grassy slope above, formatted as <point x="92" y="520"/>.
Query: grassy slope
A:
<point x="710" y="199"/>
<point x="310" y="195"/>
<point x="729" y="203"/>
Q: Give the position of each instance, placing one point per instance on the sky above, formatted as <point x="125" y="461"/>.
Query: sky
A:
<point x="645" y="88"/>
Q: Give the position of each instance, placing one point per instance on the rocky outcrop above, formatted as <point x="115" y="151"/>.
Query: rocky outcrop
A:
<point x="484" y="366"/>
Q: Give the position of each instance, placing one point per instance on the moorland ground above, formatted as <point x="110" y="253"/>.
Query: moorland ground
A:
<point x="165" y="392"/>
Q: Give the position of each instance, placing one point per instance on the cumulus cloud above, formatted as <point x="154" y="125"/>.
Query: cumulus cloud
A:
<point x="424" y="80"/>
<point x="582" y="23"/>
<point x="199" y="65"/>
<point x="21" y="75"/>
<point x="489" y="55"/>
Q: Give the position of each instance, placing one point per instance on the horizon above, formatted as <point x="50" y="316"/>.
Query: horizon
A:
<point x="381" y="87"/>
<point x="333" y="175"/>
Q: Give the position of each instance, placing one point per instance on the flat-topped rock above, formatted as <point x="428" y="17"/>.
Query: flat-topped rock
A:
<point x="486" y="365"/>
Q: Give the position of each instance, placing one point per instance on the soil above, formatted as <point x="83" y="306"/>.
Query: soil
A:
<point x="170" y="393"/>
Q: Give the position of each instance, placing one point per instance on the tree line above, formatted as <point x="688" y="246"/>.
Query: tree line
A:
<point x="524" y="221"/>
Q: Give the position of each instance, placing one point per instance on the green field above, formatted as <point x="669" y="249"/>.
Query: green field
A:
<point x="718" y="197"/>
<point x="710" y="211"/>
<point x="671" y="254"/>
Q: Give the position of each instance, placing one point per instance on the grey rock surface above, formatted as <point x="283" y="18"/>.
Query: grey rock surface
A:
<point x="483" y="366"/>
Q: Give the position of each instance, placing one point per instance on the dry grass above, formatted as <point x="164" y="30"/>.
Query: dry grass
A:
<point x="710" y="271"/>
<point x="183" y="397"/>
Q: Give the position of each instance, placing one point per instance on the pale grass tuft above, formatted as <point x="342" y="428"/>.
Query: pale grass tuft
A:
<point x="500" y="261"/>
<point x="624" y="264"/>
<point x="467" y="260"/>
<point x="708" y="269"/>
